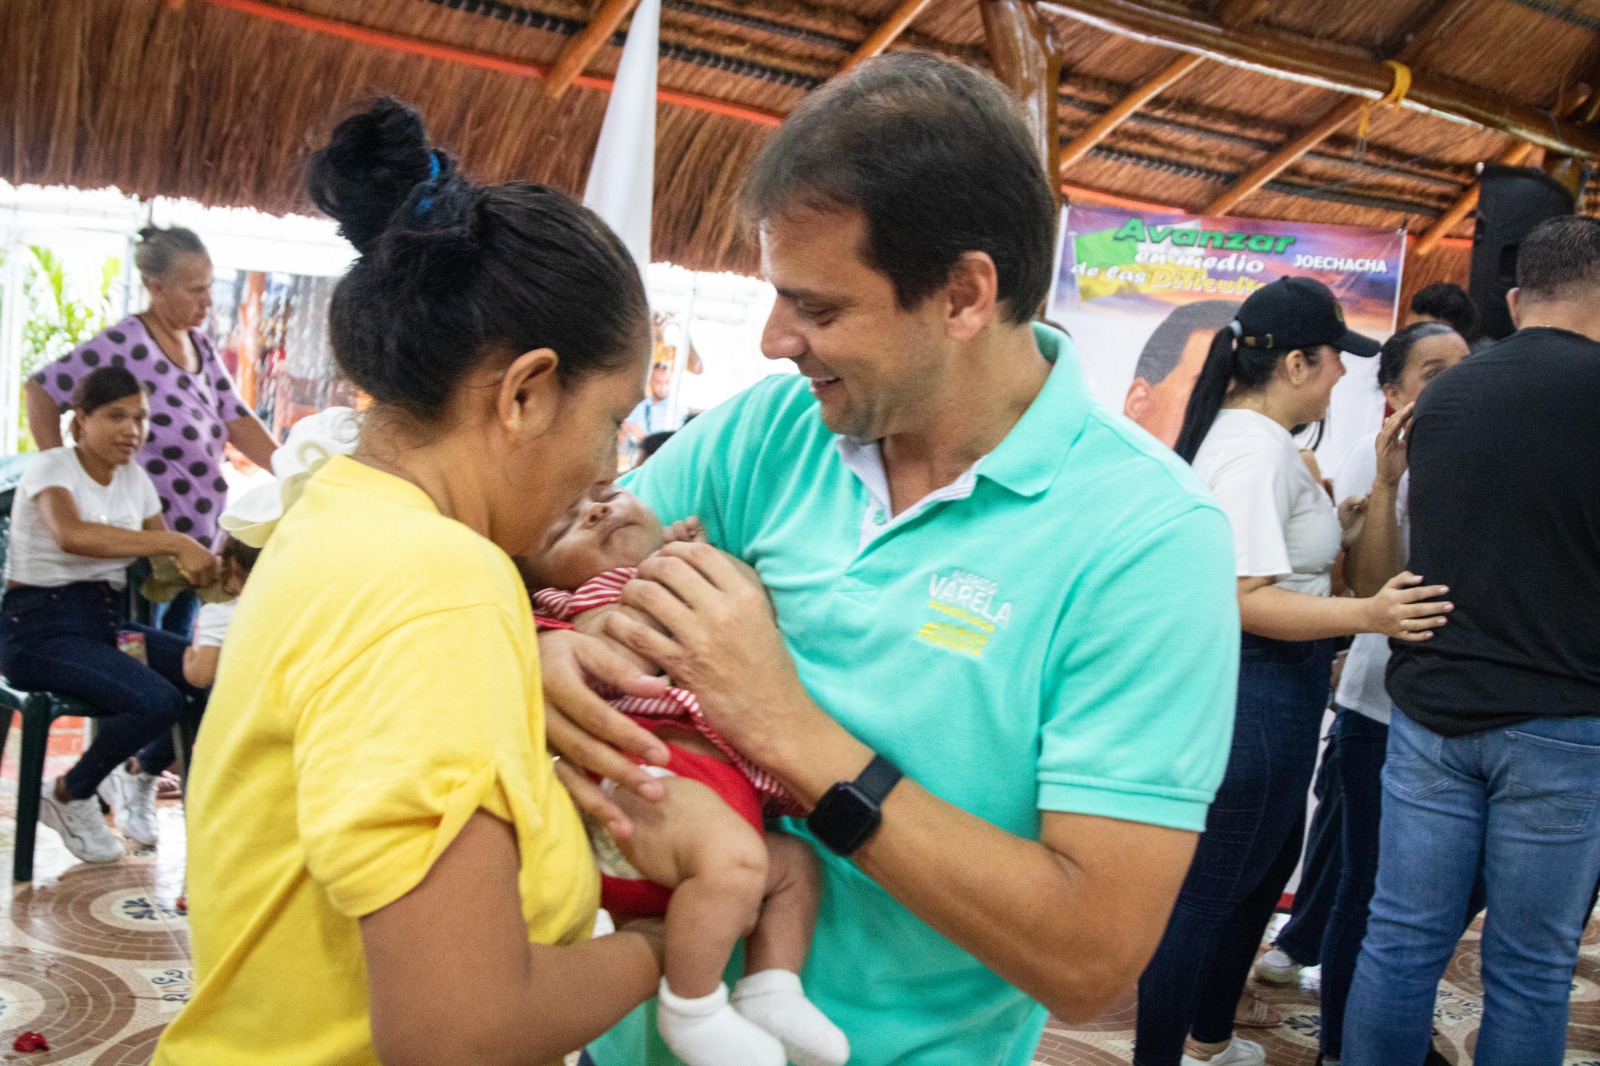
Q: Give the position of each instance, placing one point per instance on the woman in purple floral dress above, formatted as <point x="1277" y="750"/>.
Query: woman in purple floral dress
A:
<point x="193" y="408"/>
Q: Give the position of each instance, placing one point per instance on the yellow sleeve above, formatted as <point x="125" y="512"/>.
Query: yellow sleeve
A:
<point x="402" y="745"/>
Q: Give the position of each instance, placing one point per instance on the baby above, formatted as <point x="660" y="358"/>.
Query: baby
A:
<point x="730" y="879"/>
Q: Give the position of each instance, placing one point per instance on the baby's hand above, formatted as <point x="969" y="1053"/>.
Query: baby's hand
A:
<point x="691" y="531"/>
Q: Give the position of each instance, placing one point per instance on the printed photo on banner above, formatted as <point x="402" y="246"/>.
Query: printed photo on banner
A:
<point x="1142" y="293"/>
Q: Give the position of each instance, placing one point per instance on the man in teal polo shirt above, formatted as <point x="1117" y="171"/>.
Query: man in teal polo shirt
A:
<point x="983" y="580"/>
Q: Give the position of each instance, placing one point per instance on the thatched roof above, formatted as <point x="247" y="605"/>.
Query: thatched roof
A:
<point x="221" y="101"/>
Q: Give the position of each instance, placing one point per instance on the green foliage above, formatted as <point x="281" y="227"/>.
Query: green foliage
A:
<point x="59" y="315"/>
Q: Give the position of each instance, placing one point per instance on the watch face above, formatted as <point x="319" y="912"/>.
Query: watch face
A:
<point x="844" y="819"/>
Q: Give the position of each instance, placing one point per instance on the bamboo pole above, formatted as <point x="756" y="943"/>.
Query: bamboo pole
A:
<point x="1298" y="58"/>
<point x="1140" y="95"/>
<point x="582" y="48"/>
<point x="1457" y="212"/>
<point x="886" y="33"/>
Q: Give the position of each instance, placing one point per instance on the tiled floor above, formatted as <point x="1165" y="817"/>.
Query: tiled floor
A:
<point x="96" y="959"/>
<point x="1456" y="1016"/>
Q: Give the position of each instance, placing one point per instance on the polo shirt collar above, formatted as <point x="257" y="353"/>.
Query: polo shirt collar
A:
<point x="1027" y="460"/>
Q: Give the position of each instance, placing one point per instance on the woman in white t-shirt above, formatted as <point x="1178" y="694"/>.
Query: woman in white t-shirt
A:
<point x="1272" y="369"/>
<point x="82" y="514"/>
<point x="1355" y="753"/>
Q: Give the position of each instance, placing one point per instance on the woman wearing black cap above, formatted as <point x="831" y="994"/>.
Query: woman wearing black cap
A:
<point x="1273" y="368"/>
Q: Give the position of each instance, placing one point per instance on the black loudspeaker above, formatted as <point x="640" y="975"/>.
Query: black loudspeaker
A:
<point x="1511" y="202"/>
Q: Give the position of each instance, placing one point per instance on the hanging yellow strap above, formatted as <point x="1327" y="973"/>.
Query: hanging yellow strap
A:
<point x="1396" y="97"/>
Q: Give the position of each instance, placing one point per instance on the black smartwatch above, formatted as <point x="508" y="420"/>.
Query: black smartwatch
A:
<point x="849" y="813"/>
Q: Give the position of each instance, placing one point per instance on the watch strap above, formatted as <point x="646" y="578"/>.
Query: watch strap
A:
<point x="878" y="779"/>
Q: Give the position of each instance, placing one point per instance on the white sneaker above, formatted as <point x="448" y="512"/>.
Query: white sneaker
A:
<point x="132" y="799"/>
<point x="1277" y="968"/>
<point x="83" y="830"/>
<point x="1237" y="1053"/>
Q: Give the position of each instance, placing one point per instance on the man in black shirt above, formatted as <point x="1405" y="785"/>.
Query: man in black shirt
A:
<point x="1494" y="752"/>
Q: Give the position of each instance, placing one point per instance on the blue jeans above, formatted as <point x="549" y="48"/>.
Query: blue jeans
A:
<point x="178" y="616"/>
<point x="1251" y="840"/>
<point x="1301" y="936"/>
<point x="1354" y="762"/>
<point x="1519" y="805"/>
<point x="64" y="640"/>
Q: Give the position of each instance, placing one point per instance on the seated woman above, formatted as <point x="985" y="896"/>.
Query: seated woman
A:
<point x="83" y="512"/>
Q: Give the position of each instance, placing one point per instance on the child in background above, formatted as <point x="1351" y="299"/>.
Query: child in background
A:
<point x="730" y="878"/>
<point x="201" y="657"/>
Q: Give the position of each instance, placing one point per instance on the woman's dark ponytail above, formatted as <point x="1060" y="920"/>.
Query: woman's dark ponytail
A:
<point x="1229" y="365"/>
<point x="1210" y="389"/>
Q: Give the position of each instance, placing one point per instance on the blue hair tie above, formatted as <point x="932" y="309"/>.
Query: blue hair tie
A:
<point x="433" y="176"/>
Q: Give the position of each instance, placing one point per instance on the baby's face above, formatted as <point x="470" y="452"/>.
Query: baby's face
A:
<point x="608" y="528"/>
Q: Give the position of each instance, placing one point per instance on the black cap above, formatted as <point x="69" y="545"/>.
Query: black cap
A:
<point x="1299" y="313"/>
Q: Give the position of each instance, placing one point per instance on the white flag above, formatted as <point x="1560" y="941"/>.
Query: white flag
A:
<point x="622" y="176"/>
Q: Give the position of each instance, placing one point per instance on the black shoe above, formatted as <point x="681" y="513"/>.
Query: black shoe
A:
<point x="1435" y="1058"/>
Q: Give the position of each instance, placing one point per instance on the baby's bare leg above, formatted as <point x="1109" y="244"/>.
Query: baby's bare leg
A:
<point x="716" y="904"/>
<point x="782" y="936"/>
<point x="716" y="864"/>
<point x="771" y="995"/>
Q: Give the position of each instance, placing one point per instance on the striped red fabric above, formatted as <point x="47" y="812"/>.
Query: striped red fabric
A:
<point x="677" y="705"/>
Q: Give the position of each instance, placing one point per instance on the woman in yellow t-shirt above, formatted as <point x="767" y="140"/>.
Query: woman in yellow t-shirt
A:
<point x="382" y="864"/>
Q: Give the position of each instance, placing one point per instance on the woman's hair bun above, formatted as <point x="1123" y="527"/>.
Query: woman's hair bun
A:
<point x="374" y="164"/>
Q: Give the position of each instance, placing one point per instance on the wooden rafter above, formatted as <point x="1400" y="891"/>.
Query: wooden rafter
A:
<point x="1286" y="156"/>
<point x="1457" y="212"/>
<point x="1236" y="13"/>
<point x="467" y="57"/>
<point x="1140" y="95"/>
<point x="889" y="29"/>
<point x="582" y="48"/>
<point x="1423" y="40"/>
<point x="1572" y="101"/>
<point x="1166" y="23"/>
<point x="1433" y="32"/>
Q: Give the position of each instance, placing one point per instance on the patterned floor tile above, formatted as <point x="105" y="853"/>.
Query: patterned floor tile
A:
<point x="97" y="958"/>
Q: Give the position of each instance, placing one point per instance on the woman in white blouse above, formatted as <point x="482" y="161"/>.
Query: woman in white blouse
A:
<point x="1271" y="370"/>
<point x="82" y="513"/>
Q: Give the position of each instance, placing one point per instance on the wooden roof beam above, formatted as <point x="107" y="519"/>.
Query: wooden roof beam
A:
<point x="1166" y="23"/>
<point x="1236" y="13"/>
<point x="582" y="48"/>
<point x="467" y="57"/>
<point x="1286" y="156"/>
<point x="886" y="33"/>
<point x="1442" y="16"/>
<point x="1427" y="37"/>
<point x="1119" y="112"/>
<point x="1457" y="212"/>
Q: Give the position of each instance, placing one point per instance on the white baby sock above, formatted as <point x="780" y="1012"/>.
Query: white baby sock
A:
<point x="774" y="1000"/>
<point x="709" y="1032"/>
